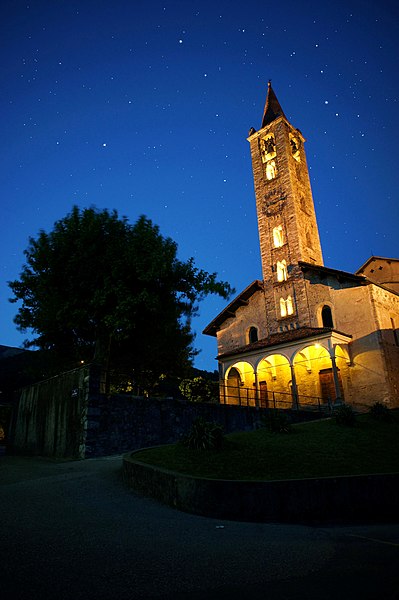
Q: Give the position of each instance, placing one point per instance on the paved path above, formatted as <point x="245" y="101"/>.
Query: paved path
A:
<point x="72" y="531"/>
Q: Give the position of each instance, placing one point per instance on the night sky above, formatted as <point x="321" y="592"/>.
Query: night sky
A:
<point x="145" y="107"/>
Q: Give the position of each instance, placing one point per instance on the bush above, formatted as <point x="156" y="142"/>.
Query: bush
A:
<point x="344" y="415"/>
<point x="199" y="389"/>
<point x="380" y="412"/>
<point x="276" y="421"/>
<point x="204" y="435"/>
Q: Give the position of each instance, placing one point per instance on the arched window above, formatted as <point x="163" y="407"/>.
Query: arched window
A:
<point x="282" y="270"/>
<point x="295" y="145"/>
<point x="283" y="308"/>
<point x="267" y="148"/>
<point x="286" y="307"/>
<point x="278" y="238"/>
<point x="290" y="306"/>
<point x="271" y="170"/>
<point x="252" y="335"/>
<point x="326" y="316"/>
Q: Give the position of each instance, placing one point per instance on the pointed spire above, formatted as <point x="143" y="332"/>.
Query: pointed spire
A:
<point x="272" y="107"/>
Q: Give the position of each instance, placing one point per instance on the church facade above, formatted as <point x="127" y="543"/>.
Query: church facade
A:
<point x="305" y="333"/>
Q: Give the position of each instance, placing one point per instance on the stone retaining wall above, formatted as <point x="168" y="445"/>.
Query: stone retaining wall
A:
<point x="68" y="417"/>
<point x="372" y="498"/>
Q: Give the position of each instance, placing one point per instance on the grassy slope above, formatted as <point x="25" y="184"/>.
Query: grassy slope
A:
<point x="317" y="449"/>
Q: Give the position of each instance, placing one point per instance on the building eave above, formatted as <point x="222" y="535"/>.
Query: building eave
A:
<point x="284" y="339"/>
<point x="230" y="310"/>
<point x="327" y="271"/>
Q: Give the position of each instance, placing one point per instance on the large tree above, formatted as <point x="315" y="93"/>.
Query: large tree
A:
<point x="97" y="288"/>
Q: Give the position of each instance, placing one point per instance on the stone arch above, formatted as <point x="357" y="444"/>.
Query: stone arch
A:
<point x="274" y="379"/>
<point x="252" y="334"/>
<point x="325" y="315"/>
<point x="311" y="364"/>
<point x="239" y="384"/>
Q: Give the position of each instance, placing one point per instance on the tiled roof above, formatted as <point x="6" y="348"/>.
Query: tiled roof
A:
<point x="230" y="310"/>
<point x="324" y="271"/>
<point x="282" y="337"/>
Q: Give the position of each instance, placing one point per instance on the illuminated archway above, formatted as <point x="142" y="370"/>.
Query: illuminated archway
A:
<point x="313" y="371"/>
<point x="274" y="382"/>
<point x="239" y="385"/>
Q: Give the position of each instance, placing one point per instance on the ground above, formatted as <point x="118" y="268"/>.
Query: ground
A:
<point x="72" y="530"/>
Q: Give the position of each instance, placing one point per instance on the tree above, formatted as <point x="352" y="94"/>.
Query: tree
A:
<point x="199" y="389"/>
<point x="97" y="288"/>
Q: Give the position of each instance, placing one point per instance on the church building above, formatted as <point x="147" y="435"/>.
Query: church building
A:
<point x="305" y="333"/>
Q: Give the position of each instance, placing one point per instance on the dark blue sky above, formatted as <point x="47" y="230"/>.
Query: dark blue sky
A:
<point x="145" y="107"/>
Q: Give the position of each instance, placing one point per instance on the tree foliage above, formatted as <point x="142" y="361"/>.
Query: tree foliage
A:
<point x="199" y="389"/>
<point x="98" y="288"/>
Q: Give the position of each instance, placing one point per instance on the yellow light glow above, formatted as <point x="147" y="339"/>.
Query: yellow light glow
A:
<point x="317" y="345"/>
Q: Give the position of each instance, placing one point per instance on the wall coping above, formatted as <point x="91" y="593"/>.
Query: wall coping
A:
<point x="340" y="499"/>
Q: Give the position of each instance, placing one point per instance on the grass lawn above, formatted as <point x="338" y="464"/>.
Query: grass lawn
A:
<point x="317" y="449"/>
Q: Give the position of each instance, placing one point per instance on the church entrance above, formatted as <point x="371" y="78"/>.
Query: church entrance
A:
<point x="233" y="386"/>
<point x="327" y="386"/>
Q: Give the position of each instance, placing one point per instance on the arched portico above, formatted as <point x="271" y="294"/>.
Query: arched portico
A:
<point x="239" y="384"/>
<point x="310" y="371"/>
<point x="274" y="381"/>
<point x="317" y="373"/>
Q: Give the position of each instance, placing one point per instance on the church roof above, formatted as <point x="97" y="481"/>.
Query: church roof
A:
<point x="283" y="337"/>
<point x="356" y="278"/>
<point x="340" y="275"/>
<point x="372" y="258"/>
<point x="272" y="107"/>
<point x="230" y="310"/>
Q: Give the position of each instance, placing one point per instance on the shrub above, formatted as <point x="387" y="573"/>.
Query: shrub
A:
<point x="276" y="421"/>
<point x="199" y="389"/>
<point x="344" y="415"/>
<point x="380" y="412"/>
<point x="204" y="435"/>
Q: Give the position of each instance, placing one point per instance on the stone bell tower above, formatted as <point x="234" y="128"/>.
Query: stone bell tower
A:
<point x="287" y="224"/>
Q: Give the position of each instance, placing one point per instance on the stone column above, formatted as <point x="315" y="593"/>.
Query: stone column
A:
<point x="336" y="380"/>
<point x="295" y="403"/>
<point x="256" y="390"/>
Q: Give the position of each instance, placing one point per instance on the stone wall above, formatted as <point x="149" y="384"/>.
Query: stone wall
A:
<point x="233" y="332"/>
<point x="329" y="500"/>
<point x="120" y="424"/>
<point x="50" y="416"/>
<point x="68" y="417"/>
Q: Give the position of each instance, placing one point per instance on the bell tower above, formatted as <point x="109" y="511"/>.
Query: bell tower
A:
<point x="287" y="224"/>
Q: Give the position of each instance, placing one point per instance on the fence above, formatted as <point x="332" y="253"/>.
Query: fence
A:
<point x="243" y="396"/>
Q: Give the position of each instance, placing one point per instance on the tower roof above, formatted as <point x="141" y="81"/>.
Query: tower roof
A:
<point x="272" y="107"/>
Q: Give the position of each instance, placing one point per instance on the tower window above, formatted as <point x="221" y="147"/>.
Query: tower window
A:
<point x="278" y="238"/>
<point x="295" y="145"/>
<point x="267" y="148"/>
<point x="252" y="335"/>
<point x="326" y="316"/>
<point x="271" y="170"/>
<point x="283" y="308"/>
<point x="282" y="270"/>
<point x="286" y="307"/>
<point x="290" y="306"/>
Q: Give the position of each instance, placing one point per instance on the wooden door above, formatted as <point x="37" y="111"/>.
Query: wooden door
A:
<point x="327" y="386"/>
